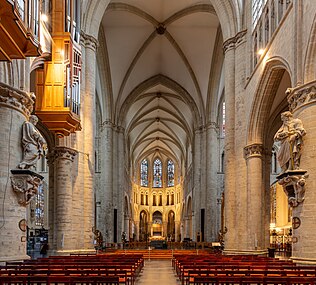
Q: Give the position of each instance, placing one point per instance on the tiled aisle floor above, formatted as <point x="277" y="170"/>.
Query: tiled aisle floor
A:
<point x="157" y="272"/>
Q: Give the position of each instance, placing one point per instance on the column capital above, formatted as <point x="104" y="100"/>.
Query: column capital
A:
<point x="253" y="150"/>
<point x="212" y="126"/>
<point x="301" y="95"/>
<point x="200" y="129"/>
<point x="89" y="41"/>
<point x="61" y="152"/>
<point x="16" y="99"/>
<point x="119" y="129"/>
<point x="235" y="41"/>
<point x="107" y="124"/>
<point x="240" y="37"/>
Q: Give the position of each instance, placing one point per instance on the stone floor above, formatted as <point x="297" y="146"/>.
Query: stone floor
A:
<point x="157" y="272"/>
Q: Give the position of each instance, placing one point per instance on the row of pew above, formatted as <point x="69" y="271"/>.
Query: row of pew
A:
<point x="102" y="269"/>
<point x="251" y="270"/>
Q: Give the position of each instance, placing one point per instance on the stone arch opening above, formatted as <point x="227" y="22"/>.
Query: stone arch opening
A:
<point x="270" y="100"/>
<point x="157" y="224"/>
<point x="171" y="226"/>
<point x="143" y="226"/>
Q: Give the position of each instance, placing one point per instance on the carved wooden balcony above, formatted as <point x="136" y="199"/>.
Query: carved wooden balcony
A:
<point x="58" y="88"/>
<point x="17" y="41"/>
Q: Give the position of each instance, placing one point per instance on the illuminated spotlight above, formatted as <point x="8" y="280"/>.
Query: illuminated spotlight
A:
<point x="61" y="52"/>
<point x="260" y="51"/>
<point x="44" y="18"/>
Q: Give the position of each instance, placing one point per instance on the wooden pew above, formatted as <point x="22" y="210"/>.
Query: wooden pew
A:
<point x="58" y="280"/>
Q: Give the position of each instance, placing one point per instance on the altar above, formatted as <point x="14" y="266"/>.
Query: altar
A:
<point x="157" y="242"/>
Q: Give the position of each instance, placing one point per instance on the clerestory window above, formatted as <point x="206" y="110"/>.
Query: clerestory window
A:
<point x="157" y="177"/>
<point x="144" y="173"/>
<point x="170" y="173"/>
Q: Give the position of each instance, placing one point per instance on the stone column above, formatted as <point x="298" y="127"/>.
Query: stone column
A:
<point x="235" y="189"/>
<point x="120" y="177"/>
<point x="182" y="229"/>
<point x="117" y="204"/>
<point x="240" y="140"/>
<point x="255" y="200"/>
<point x="197" y="191"/>
<point x="298" y="42"/>
<point x="302" y="101"/>
<point x="231" y="238"/>
<point x="88" y="115"/>
<point x="186" y="226"/>
<point x="15" y="108"/>
<point x="65" y="237"/>
<point x="164" y="229"/>
<point x="177" y="230"/>
<point x="137" y="229"/>
<point x="130" y="228"/>
<point x="126" y="226"/>
<point x="106" y="189"/>
<point x="211" y="226"/>
<point x="51" y="202"/>
<point x="150" y="229"/>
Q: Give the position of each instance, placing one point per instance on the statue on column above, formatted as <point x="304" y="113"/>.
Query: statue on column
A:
<point x="98" y="238"/>
<point x="290" y="137"/>
<point x="33" y="144"/>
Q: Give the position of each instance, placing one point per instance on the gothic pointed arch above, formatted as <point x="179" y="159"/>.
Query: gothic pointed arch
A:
<point x="143" y="225"/>
<point x="170" y="173"/>
<point x="264" y="98"/>
<point x="144" y="172"/>
<point x="151" y="82"/>
<point x="157" y="173"/>
<point x="229" y="16"/>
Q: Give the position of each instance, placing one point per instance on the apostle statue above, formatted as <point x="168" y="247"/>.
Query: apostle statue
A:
<point x="33" y="144"/>
<point x="98" y="238"/>
<point x="290" y="137"/>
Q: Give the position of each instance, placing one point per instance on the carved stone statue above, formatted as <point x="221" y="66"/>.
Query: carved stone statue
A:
<point x="33" y="144"/>
<point x="294" y="188"/>
<point x="290" y="137"/>
<point x="98" y="237"/>
<point x="25" y="185"/>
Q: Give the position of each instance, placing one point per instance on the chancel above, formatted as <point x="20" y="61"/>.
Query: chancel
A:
<point x="158" y="126"/>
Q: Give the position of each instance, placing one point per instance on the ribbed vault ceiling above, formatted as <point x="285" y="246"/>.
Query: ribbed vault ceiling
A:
<point x="159" y="63"/>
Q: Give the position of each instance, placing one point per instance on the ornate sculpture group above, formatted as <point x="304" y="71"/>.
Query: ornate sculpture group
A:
<point x="98" y="237"/>
<point x="290" y="137"/>
<point x="33" y="144"/>
<point x="24" y="181"/>
<point x="292" y="178"/>
<point x="25" y="186"/>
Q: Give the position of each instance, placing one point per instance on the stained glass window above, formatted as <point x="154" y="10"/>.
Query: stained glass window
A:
<point x="157" y="181"/>
<point x="223" y="119"/>
<point x="257" y="7"/>
<point x="170" y="173"/>
<point x="144" y="173"/>
<point x="39" y="208"/>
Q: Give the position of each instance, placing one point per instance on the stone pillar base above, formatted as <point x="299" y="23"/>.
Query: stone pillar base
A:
<point x="71" y="251"/>
<point x="245" y="252"/>
<point x="14" y="258"/>
<point x="304" y="261"/>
